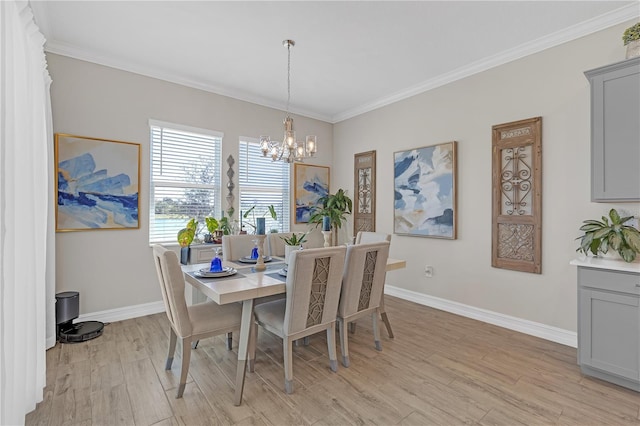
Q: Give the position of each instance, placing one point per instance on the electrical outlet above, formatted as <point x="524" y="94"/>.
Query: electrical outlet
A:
<point x="428" y="271"/>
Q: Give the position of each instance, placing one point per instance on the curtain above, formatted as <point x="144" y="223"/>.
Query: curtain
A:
<point x="27" y="276"/>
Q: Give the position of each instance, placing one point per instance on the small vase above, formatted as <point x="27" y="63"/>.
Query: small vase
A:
<point x="633" y="49"/>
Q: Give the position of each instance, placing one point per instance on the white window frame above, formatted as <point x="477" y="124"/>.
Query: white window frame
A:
<point x="169" y="236"/>
<point x="255" y="161"/>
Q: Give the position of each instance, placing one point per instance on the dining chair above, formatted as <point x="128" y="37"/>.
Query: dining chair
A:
<point x="235" y="247"/>
<point x="314" y="278"/>
<point x="373" y="237"/>
<point x="362" y="288"/>
<point x="189" y="323"/>
<point x="276" y="243"/>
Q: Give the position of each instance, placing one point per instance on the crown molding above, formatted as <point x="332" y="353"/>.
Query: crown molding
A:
<point x="582" y="29"/>
<point x="593" y="25"/>
<point x="64" y="49"/>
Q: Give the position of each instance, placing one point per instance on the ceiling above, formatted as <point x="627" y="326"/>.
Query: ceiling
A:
<point x="349" y="58"/>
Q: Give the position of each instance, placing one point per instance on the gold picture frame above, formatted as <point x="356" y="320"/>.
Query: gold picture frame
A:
<point x="97" y="183"/>
<point x="310" y="184"/>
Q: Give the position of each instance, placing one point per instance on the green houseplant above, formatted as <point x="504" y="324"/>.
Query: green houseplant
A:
<point x="610" y="233"/>
<point x="185" y="238"/>
<point x="295" y="240"/>
<point x="270" y="210"/>
<point x="292" y="243"/>
<point x="336" y="206"/>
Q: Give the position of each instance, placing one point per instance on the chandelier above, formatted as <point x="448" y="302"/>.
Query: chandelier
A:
<point x="288" y="150"/>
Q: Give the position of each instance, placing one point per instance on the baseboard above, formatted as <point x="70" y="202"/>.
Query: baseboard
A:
<point x="554" y="334"/>
<point x="124" y="313"/>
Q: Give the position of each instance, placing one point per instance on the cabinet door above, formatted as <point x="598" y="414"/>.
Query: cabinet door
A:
<point x="610" y="332"/>
<point x="615" y="132"/>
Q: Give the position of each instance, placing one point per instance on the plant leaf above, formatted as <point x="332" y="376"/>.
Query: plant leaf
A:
<point x="615" y="217"/>
<point x="615" y="241"/>
<point x="632" y="238"/>
<point x="627" y="254"/>
<point x="602" y="232"/>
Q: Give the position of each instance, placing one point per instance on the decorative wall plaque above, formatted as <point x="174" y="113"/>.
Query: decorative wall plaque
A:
<point x="364" y="211"/>
<point x="517" y="196"/>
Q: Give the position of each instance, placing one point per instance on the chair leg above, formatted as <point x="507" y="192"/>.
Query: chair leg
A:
<point x="186" y="357"/>
<point x="331" y="347"/>
<point x="287" y="351"/>
<point x="376" y="331"/>
<point x="172" y="348"/>
<point x="229" y="340"/>
<point x="344" y="345"/>
<point x="194" y="345"/>
<point x="385" y="318"/>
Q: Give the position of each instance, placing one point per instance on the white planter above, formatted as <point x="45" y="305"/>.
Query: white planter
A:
<point x="288" y="250"/>
<point x="633" y="49"/>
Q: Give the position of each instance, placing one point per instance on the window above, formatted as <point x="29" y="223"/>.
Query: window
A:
<point x="263" y="182"/>
<point x="185" y="178"/>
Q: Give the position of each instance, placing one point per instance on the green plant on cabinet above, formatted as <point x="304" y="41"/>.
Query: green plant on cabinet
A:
<point x="610" y="233"/>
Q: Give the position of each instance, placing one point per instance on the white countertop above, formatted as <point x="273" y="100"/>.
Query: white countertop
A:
<point x="607" y="263"/>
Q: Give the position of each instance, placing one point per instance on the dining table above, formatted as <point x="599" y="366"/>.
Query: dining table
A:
<point x="245" y="286"/>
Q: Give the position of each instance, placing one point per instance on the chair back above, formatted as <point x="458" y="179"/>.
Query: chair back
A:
<point x="371" y="237"/>
<point x="276" y="243"/>
<point x="172" y="284"/>
<point x="363" y="278"/>
<point x="314" y="278"/>
<point x="235" y="247"/>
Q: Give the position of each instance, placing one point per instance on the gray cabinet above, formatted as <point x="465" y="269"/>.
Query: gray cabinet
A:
<point x="615" y="131"/>
<point x="609" y="325"/>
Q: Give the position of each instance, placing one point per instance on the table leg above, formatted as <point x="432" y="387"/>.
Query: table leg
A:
<point x="243" y="345"/>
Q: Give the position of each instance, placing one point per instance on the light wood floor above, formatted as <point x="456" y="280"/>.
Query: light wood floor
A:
<point x="440" y="369"/>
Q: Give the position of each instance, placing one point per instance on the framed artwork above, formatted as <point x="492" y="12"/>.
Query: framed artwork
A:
<point x="364" y="182"/>
<point x="425" y="191"/>
<point x="516" y="225"/>
<point x="310" y="184"/>
<point x="98" y="183"/>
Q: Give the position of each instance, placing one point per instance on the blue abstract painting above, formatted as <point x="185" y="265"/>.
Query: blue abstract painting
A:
<point x="311" y="184"/>
<point x="98" y="183"/>
<point x="424" y="191"/>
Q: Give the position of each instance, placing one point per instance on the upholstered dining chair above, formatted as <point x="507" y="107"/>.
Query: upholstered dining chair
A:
<point x="235" y="247"/>
<point x="276" y="243"/>
<point x="371" y="237"/>
<point x="314" y="278"/>
<point x="374" y="237"/>
<point x="362" y="287"/>
<point x="189" y="323"/>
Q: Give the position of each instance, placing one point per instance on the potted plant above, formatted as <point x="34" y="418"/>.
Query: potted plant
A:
<point x="212" y="226"/>
<point x="335" y="206"/>
<point x="270" y="210"/>
<point x="610" y="233"/>
<point x="292" y="243"/>
<point x="185" y="238"/>
<point x="631" y="39"/>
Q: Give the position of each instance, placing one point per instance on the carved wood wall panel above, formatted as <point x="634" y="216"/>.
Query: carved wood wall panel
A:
<point x="364" y="207"/>
<point x="517" y="196"/>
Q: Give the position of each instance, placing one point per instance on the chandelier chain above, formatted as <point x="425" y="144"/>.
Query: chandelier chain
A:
<point x="288" y="77"/>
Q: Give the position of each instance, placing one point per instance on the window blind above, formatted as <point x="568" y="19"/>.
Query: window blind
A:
<point x="263" y="182"/>
<point x="185" y="178"/>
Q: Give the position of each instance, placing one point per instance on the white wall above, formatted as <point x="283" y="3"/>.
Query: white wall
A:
<point x="114" y="269"/>
<point x="550" y="84"/>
